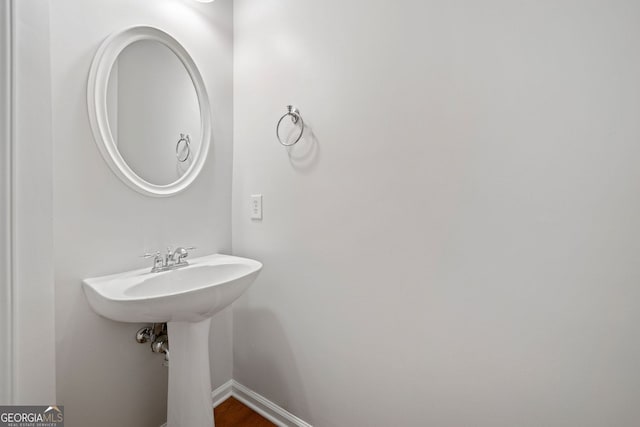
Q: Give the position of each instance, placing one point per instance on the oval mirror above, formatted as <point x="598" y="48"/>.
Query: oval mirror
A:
<point x="149" y="111"/>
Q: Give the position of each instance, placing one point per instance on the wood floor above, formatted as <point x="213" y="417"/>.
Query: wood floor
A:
<point x="233" y="413"/>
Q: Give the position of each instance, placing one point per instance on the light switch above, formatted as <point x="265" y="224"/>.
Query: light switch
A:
<point x="256" y="206"/>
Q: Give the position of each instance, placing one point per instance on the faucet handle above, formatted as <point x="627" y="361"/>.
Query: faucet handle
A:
<point x="150" y="255"/>
<point x="157" y="260"/>
<point x="183" y="248"/>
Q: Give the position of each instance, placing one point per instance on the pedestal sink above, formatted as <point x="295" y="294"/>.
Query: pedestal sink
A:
<point x="185" y="298"/>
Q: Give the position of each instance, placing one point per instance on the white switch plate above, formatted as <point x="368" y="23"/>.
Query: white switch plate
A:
<point x="256" y="206"/>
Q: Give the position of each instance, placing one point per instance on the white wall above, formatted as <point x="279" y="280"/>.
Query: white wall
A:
<point x="27" y="358"/>
<point x="101" y="226"/>
<point x="6" y="318"/>
<point x="34" y="374"/>
<point x="458" y="243"/>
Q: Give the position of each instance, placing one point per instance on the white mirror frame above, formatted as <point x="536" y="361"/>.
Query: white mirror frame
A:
<point x="99" y="74"/>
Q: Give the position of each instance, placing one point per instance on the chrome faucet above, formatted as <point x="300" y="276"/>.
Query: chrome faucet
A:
<point x="179" y="255"/>
<point x="170" y="261"/>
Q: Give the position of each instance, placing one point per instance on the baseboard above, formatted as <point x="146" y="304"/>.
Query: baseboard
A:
<point x="265" y="407"/>
<point x="257" y="402"/>
<point x="222" y="393"/>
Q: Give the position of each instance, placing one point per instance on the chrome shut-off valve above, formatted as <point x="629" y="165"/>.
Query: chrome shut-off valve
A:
<point x="157" y="335"/>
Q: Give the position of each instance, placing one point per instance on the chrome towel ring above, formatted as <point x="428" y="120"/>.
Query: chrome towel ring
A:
<point x="187" y="141"/>
<point x="296" y="118"/>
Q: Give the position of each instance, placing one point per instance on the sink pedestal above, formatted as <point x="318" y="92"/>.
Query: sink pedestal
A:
<point x="189" y="398"/>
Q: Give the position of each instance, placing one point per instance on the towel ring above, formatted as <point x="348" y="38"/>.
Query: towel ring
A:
<point x="183" y="138"/>
<point x="294" y="113"/>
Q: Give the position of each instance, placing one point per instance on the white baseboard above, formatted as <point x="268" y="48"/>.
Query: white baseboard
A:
<point x="265" y="407"/>
<point x="257" y="402"/>
<point x="222" y="393"/>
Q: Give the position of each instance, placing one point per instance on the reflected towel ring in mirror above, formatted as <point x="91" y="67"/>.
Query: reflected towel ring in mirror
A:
<point x="187" y="148"/>
<point x="296" y="119"/>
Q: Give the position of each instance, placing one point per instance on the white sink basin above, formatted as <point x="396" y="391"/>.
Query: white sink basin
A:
<point x="190" y="294"/>
<point x="185" y="298"/>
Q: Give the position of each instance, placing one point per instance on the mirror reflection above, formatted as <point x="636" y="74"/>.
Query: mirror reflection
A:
<point x="153" y="112"/>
